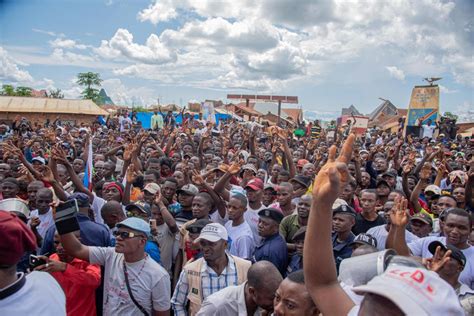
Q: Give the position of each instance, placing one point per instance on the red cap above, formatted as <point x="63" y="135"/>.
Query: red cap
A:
<point x="301" y="163"/>
<point x="255" y="184"/>
<point x="16" y="237"/>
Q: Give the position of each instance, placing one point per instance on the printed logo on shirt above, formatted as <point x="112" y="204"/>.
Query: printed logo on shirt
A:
<point x="195" y="291"/>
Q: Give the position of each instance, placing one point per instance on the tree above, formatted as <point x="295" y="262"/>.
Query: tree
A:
<point x="89" y="80"/>
<point x="450" y="115"/>
<point x="23" y="91"/>
<point x="8" y="90"/>
<point x="56" y="94"/>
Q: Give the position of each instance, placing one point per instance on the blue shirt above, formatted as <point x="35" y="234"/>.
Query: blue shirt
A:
<point x="273" y="249"/>
<point x="341" y="250"/>
<point x="296" y="263"/>
<point x="92" y="234"/>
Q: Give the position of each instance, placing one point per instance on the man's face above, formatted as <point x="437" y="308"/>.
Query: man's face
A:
<point x="130" y="244"/>
<point x="78" y="166"/>
<point x="445" y="202"/>
<point x="235" y="209"/>
<point x="212" y="250"/>
<point x="309" y="170"/>
<point x="32" y="190"/>
<point x="112" y="194"/>
<point x="186" y="200"/>
<point x="154" y="166"/>
<point x="342" y="223"/>
<point x="262" y="298"/>
<point x="284" y="195"/>
<point x="267" y="227"/>
<point x="368" y="201"/>
<point x="457" y="230"/>
<point x="293" y="299"/>
<point x="99" y="169"/>
<point x="4" y="170"/>
<point x="109" y="169"/>
<point x="383" y="190"/>
<point x="390" y="180"/>
<point x="200" y="207"/>
<point x="253" y="195"/>
<point x="268" y="196"/>
<point x="381" y="165"/>
<point x="58" y="246"/>
<point x="276" y="170"/>
<point x="347" y="193"/>
<point x="149" y="178"/>
<point x="9" y="190"/>
<point x="459" y="194"/>
<point x="304" y="206"/>
<point x="420" y="228"/>
<point x="169" y="190"/>
<point x="43" y="201"/>
<point x="365" y="179"/>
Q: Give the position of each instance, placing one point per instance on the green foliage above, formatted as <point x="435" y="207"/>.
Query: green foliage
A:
<point x="139" y="109"/>
<point x="23" y="91"/>
<point x="450" y="115"/>
<point x="89" y="80"/>
<point x="55" y="94"/>
<point x="8" y="90"/>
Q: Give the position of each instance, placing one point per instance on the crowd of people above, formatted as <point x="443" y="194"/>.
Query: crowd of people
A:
<point x="233" y="218"/>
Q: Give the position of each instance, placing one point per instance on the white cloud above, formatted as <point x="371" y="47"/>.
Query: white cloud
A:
<point x="396" y="73"/>
<point x="124" y="95"/>
<point x="160" y="11"/>
<point x="70" y="58"/>
<point x="10" y="71"/>
<point x="446" y="90"/>
<point x="50" y="33"/>
<point x="121" y="44"/>
<point x="66" y="43"/>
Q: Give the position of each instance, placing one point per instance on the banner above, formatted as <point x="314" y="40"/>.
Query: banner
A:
<point x="424" y="105"/>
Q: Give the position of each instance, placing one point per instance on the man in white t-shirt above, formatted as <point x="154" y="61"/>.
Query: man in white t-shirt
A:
<point x="380" y="232"/>
<point x="254" y="190"/>
<point x="242" y="242"/>
<point x="41" y="219"/>
<point x="148" y="282"/>
<point x="428" y="129"/>
<point x="36" y="293"/>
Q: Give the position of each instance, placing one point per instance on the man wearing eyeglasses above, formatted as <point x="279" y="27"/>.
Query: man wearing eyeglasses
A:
<point x="134" y="283"/>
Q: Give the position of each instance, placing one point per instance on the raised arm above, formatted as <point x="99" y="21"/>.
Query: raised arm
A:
<point x="74" y="247"/>
<point x="322" y="282"/>
<point x="396" y="235"/>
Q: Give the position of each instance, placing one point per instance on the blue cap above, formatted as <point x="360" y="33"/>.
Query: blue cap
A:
<point x="82" y="199"/>
<point x="137" y="224"/>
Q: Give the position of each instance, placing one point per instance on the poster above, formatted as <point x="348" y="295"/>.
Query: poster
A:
<point x="360" y="125"/>
<point x="424" y="105"/>
<point x="208" y="112"/>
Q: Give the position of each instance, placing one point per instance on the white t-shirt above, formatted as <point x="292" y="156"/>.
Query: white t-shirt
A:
<point x="419" y="248"/>
<point x="46" y="219"/>
<point x="41" y="295"/>
<point x="381" y="234"/>
<point x="251" y="217"/>
<point x="150" y="283"/>
<point x="242" y="242"/>
<point x="428" y="130"/>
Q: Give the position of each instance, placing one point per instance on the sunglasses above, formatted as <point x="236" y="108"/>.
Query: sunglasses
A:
<point x="126" y="235"/>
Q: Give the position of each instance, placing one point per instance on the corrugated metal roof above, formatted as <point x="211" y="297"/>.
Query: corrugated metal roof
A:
<point x="47" y="105"/>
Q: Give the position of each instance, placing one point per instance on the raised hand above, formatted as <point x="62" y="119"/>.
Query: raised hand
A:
<point x="131" y="175"/>
<point x="234" y="168"/>
<point x="425" y="172"/>
<point x="437" y="261"/>
<point x="197" y="178"/>
<point x="334" y="174"/>
<point x="47" y="174"/>
<point x="399" y="213"/>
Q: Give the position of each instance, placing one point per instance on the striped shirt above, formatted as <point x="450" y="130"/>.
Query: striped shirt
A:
<point x="210" y="283"/>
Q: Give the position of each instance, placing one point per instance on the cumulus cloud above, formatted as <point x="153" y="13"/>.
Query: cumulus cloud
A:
<point x="121" y="44"/>
<point x="395" y="72"/>
<point x="69" y="57"/>
<point x="125" y="95"/>
<point x="10" y="71"/>
<point x="160" y="11"/>
<point x="66" y="43"/>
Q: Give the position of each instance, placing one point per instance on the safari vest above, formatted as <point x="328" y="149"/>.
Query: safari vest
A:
<point x="193" y="273"/>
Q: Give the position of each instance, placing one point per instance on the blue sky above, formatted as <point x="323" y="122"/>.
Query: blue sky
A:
<point x="330" y="53"/>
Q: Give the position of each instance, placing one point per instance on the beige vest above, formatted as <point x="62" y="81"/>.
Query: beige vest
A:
<point x="193" y="273"/>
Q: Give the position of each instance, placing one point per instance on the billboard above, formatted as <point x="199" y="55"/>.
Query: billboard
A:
<point x="424" y="105"/>
<point x="360" y="126"/>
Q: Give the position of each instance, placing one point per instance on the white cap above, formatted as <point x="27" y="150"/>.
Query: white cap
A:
<point x="213" y="232"/>
<point x="433" y="188"/>
<point x="338" y="202"/>
<point x="415" y="291"/>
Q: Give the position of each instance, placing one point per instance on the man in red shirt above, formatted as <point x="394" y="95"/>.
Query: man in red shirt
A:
<point x="78" y="278"/>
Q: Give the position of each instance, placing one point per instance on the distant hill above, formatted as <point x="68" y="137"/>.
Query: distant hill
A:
<point x="105" y="98"/>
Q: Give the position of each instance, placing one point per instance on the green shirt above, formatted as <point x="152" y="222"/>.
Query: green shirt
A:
<point x="288" y="227"/>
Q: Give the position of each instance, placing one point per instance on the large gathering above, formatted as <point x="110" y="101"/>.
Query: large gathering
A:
<point x="234" y="218"/>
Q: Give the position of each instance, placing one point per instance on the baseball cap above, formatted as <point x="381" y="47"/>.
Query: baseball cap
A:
<point x="152" y="188"/>
<point x="456" y="253"/>
<point x="249" y="167"/>
<point x="269" y="186"/>
<point x="344" y="209"/>
<point x="39" y="159"/>
<point x="389" y="173"/>
<point x="382" y="182"/>
<point x="433" y="188"/>
<point x="303" y="180"/>
<point x="137" y="224"/>
<point x="189" y="189"/>
<point x="17" y="238"/>
<point x="142" y="206"/>
<point x="301" y="163"/>
<point x="415" y="291"/>
<point x="338" y="202"/>
<point x="424" y="217"/>
<point x="213" y="232"/>
<point x="255" y="184"/>
<point x="198" y="225"/>
<point x="81" y="198"/>
<point x="271" y="213"/>
<point x="364" y="239"/>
